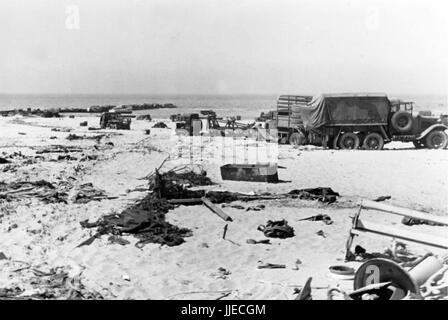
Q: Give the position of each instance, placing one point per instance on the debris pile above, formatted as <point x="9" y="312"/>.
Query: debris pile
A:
<point x="146" y="219"/>
<point x="277" y="229"/>
<point x="54" y="284"/>
<point x="59" y="149"/>
<point x="3" y="160"/>
<point x="41" y="189"/>
<point x="326" y="195"/>
<point x="88" y="193"/>
<point x="73" y="136"/>
<point x="175" y="183"/>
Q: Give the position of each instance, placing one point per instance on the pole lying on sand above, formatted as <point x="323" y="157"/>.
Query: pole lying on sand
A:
<point x="215" y="209"/>
<point x="186" y="201"/>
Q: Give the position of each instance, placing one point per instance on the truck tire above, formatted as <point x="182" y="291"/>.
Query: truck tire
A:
<point x="373" y="141"/>
<point x="348" y="141"/>
<point x="436" y="139"/>
<point x="402" y="121"/>
<point x="296" y="139"/>
<point x="418" y="144"/>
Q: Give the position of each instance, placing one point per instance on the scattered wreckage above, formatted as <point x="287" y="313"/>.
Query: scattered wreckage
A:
<point x="381" y="278"/>
<point x="146" y="218"/>
<point x="207" y="123"/>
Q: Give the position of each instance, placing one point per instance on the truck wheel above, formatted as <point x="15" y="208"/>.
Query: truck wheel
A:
<point x="418" y="144"/>
<point x="402" y="121"/>
<point x="436" y="140"/>
<point x="349" y="140"/>
<point x="373" y="141"/>
<point x="296" y="139"/>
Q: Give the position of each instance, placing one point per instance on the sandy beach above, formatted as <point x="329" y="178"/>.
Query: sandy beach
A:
<point x="36" y="235"/>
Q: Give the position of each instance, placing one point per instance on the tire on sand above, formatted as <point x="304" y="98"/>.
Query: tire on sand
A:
<point x="402" y="121"/>
<point x="418" y="144"/>
<point x="373" y="141"/>
<point x="296" y="139"/>
<point x="436" y="139"/>
<point x="348" y="141"/>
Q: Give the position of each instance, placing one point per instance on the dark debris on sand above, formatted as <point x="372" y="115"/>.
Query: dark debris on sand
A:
<point x="146" y="218"/>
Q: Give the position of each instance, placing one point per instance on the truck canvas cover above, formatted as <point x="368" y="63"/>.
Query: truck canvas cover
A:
<point x="345" y="109"/>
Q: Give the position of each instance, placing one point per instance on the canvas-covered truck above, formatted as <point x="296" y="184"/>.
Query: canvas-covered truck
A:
<point x="367" y="121"/>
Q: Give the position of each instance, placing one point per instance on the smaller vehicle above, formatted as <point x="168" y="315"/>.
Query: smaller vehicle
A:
<point x="423" y="129"/>
<point x="187" y="124"/>
<point x="114" y="120"/>
<point x="207" y="123"/>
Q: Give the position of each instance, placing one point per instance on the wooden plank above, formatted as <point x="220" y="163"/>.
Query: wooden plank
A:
<point x="289" y="102"/>
<point x="16" y="191"/>
<point x="367" y="204"/>
<point x="185" y="201"/>
<point x="215" y="209"/>
<point x="373" y="228"/>
<point x="294" y="97"/>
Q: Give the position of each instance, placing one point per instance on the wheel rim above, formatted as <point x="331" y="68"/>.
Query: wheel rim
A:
<point x="402" y="122"/>
<point x="372" y="143"/>
<point x="437" y="141"/>
<point x="348" y="143"/>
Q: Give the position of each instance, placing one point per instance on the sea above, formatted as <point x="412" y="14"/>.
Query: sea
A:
<point x="247" y="106"/>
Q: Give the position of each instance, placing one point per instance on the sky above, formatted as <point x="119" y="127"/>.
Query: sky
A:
<point x="223" y="46"/>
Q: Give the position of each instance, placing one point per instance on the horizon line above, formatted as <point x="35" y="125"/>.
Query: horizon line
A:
<point x="209" y="94"/>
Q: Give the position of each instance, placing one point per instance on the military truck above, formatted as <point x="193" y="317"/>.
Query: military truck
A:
<point x="114" y="120"/>
<point x="363" y="120"/>
<point x="287" y="119"/>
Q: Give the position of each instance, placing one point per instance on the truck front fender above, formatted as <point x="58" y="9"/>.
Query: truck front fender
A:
<point x="437" y="126"/>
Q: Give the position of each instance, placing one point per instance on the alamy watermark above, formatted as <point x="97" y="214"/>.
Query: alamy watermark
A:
<point x="72" y="20"/>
